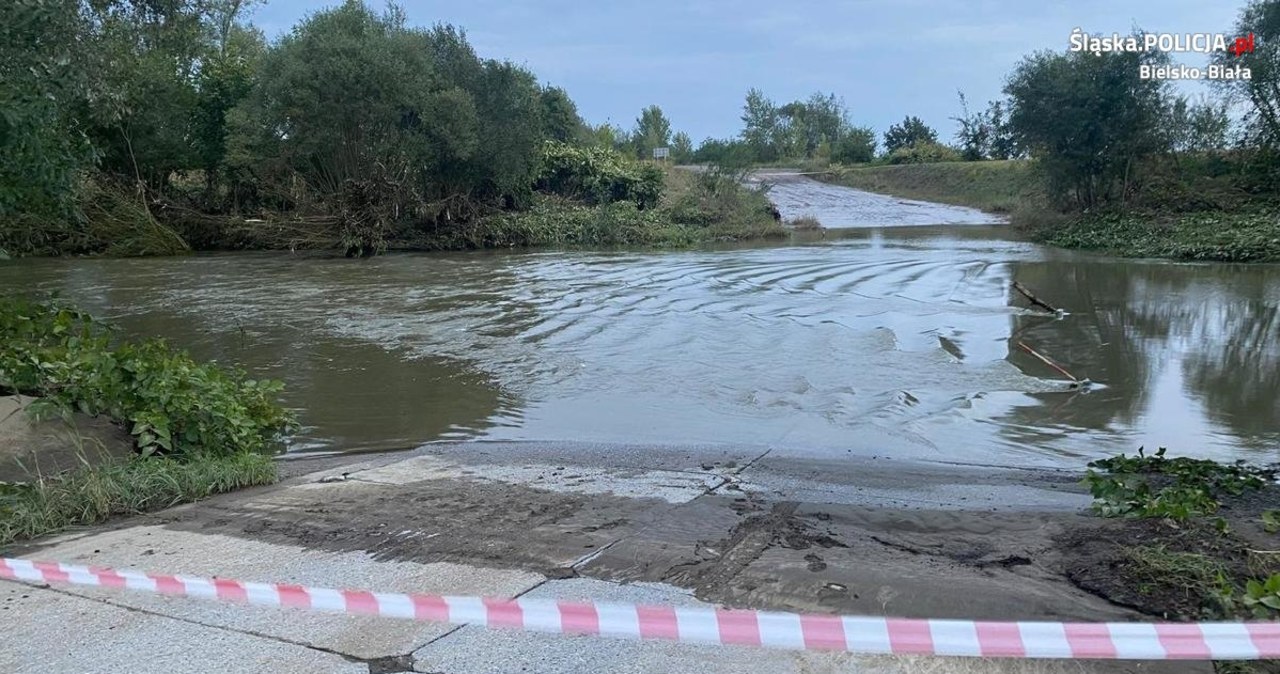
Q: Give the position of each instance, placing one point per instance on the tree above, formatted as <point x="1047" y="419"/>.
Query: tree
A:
<point x="985" y="134"/>
<point x="146" y="60"/>
<point x="560" y="119"/>
<point x="911" y="131"/>
<point x="42" y="80"/>
<point x="1088" y="118"/>
<point x="1197" y="127"/>
<point x="1260" y="19"/>
<point x="974" y="135"/>
<point x="383" y="122"/>
<point x="605" y="135"/>
<point x="760" y="126"/>
<point x="856" y="146"/>
<point x="1002" y="143"/>
<point x="653" y="130"/>
<point x="681" y="148"/>
<point x="224" y="80"/>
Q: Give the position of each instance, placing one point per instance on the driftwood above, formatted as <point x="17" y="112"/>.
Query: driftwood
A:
<point x="1050" y="363"/>
<point x="1035" y="301"/>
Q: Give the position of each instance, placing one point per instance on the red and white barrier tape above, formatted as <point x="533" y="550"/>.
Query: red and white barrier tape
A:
<point x="1134" y="641"/>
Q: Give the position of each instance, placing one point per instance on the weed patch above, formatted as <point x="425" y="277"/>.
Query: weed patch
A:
<point x="90" y="495"/>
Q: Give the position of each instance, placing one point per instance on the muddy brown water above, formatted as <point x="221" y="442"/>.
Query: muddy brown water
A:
<point x="880" y="340"/>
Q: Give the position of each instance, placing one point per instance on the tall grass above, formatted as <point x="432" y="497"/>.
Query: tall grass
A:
<point x="93" y="494"/>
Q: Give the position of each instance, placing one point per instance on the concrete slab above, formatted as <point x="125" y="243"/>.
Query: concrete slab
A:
<point x="475" y="650"/>
<point x="48" y="631"/>
<point x="668" y="485"/>
<point x="163" y="550"/>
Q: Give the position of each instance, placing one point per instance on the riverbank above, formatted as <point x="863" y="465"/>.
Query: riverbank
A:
<point x="97" y="427"/>
<point x="1216" y="225"/>
<point x="1251" y="235"/>
<point x="691" y="208"/>
<point x="726" y="525"/>
<point x="694" y="208"/>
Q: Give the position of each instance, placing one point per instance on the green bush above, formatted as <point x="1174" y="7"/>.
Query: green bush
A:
<point x="172" y="404"/>
<point x="923" y="153"/>
<point x="598" y="175"/>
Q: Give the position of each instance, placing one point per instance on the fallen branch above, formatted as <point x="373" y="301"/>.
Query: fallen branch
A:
<point x="1048" y="362"/>
<point x="1035" y="301"/>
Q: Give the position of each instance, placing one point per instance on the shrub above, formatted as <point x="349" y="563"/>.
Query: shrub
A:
<point x="598" y="175"/>
<point x="923" y="153"/>
<point x="172" y="404"/>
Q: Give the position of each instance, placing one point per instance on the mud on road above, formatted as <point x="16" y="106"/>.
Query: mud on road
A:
<point x="899" y="539"/>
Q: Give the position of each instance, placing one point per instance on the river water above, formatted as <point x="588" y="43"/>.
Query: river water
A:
<point x="879" y="340"/>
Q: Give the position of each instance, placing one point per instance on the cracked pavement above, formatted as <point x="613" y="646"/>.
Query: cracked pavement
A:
<point x="746" y="527"/>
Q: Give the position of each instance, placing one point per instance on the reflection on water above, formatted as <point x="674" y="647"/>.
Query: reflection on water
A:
<point x="894" y="342"/>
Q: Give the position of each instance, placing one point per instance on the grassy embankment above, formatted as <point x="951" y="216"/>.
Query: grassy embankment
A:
<point x="1201" y="218"/>
<point x="198" y="428"/>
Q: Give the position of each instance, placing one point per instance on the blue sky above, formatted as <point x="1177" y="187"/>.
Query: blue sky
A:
<point x="697" y="58"/>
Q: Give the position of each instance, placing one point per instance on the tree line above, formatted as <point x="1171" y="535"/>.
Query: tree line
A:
<point x="120" y="112"/>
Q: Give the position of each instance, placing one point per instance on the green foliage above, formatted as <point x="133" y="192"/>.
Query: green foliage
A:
<point x="759" y="126"/>
<point x="985" y="134"/>
<point x="1260" y="18"/>
<point x="735" y="153"/>
<point x="560" y="121"/>
<point x="386" y="123"/>
<point x="172" y="404"/>
<point x="1262" y="597"/>
<point x="718" y="196"/>
<point x="1245" y="236"/>
<point x="1088" y="118"/>
<point x="226" y="77"/>
<point x="696" y="208"/>
<point x="911" y="131"/>
<point x="43" y="145"/>
<point x="1156" y="486"/>
<point x="92" y="495"/>
<point x="924" y="152"/>
<point x="598" y="176"/>
<point x="815" y="128"/>
<point x="1197" y="127"/>
<point x="1271" y="521"/>
<point x="145" y="58"/>
<point x="653" y="130"/>
<point x="681" y="148"/>
<point x="856" y="146"/>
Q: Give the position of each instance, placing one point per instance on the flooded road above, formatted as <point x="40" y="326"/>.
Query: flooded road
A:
<point x="835" y="207"/>
<point x="895" y="342"/>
